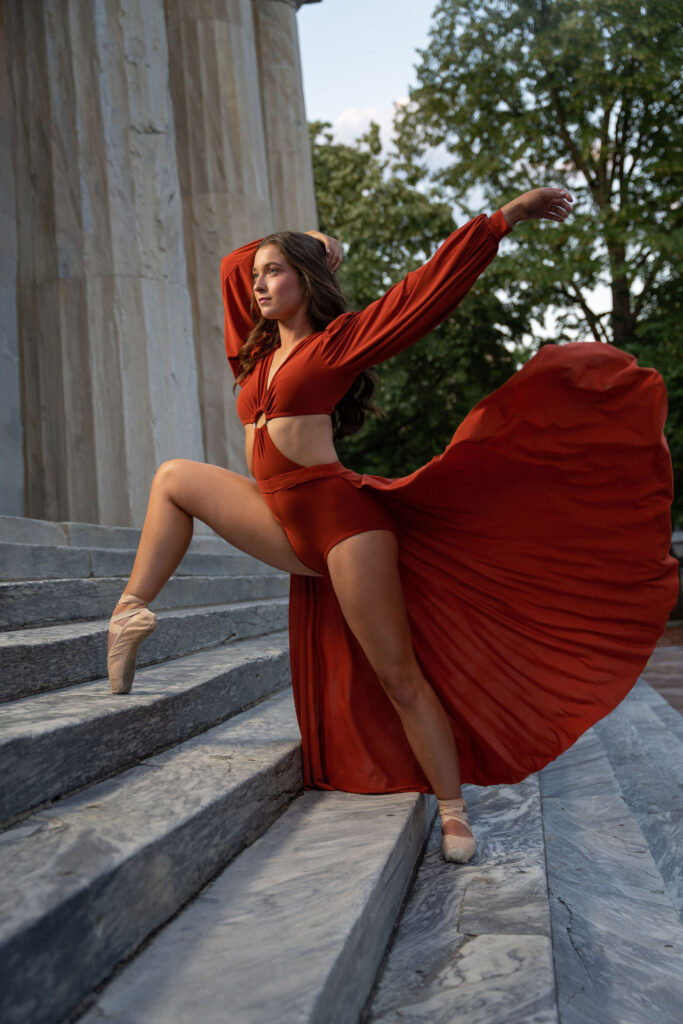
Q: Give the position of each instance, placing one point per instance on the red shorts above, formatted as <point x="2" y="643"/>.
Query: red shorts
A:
<point x="317" y="506"/>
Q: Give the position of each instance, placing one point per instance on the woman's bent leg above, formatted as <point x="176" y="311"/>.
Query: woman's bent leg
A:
<point x="229" y="503"/>
<point x="181" y="490"/>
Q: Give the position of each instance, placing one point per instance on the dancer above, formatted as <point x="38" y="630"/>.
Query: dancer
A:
<point x="468" y="621"/>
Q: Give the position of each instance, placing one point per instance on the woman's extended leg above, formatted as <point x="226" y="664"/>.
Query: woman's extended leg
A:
<point x="229" y="503"/>
<point x="364" y="573"/>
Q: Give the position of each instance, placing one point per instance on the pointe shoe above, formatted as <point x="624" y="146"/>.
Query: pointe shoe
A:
<point x="128" y="637"/>
<point x="456" y="847"/>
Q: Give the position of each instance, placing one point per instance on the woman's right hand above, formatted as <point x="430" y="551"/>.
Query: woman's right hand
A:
<point x="539" y="204"/>
<point x="334" y="253"/>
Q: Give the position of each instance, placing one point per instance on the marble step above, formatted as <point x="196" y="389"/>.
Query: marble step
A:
<point x="83" y="883"/>
<point x="37" y="561"/>
<point x="47" y="602"/>
<point x="647" y="760"/>
<point x="474" y="940"/>
<point x="671" y="718"/>
<point x="51" y="657"/>
<point x="618" y="942"/>
<point x="73" y="737"/>
<point x="294" y="930"/>
<point x="23" y="530"/>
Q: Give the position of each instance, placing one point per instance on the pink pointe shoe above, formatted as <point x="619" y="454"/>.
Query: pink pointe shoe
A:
<point x="127" y="638"/>
<point x="456" y="845"/>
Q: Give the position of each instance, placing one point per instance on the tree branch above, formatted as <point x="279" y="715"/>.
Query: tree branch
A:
<point x="647" y="284"/>
<point x="579" y="162"/>
<point x="603" y="174"/>
<point x="573" y="293"/>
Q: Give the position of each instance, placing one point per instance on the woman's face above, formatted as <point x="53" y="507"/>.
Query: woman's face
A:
<point x="277" y="288"/>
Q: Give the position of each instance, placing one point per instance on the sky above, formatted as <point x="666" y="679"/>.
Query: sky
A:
<point x="358" y="59"/>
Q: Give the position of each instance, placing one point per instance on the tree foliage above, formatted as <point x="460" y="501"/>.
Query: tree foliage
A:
<point x="388" y="227"/>
<point x="586" y="93"/>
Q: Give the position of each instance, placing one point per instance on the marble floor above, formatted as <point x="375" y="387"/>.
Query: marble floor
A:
<point x="664" y="670"/>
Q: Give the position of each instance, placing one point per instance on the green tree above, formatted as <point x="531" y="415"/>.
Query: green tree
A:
<point x="388" y="227"/>
<point x="585" y="93"/>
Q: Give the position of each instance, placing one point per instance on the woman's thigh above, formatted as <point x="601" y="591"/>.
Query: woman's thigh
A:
<point x="364" y="573"/>
<point x="234" y="507"/>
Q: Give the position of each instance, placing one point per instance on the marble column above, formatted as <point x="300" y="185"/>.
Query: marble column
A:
<point x="224" y="184"/>
<point x="288" y="151"/>
<point x="109" y="374"/>
<point x="11" y="457"/>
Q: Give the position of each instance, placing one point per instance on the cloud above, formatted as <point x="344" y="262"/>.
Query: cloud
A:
<point x="354" y="121"/>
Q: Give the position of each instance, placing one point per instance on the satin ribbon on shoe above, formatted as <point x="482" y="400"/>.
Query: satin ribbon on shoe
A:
<point x="456" y="847"/>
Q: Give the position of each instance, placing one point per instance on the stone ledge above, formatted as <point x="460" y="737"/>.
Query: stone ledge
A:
<point x="83" y="883"/>
<point x="53" y="657"/>
<point x="473" y="943"/>
<point x="34" y="603"/>
<point x="647" y="761"/>
<point x="293" y="930"/>
<point x="71" y="738"/>
<point x="36" y="562"/>
<point x="24" y="530"/>
<point x="617" y="939"/>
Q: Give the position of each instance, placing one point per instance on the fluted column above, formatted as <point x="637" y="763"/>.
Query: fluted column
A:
<point x="105" y="321"/>
<point x="223" y="180"/>
<point x="11" y="458"/>
<point x="288" y="149"/>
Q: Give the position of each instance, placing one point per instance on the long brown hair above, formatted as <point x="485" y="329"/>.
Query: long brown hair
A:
<point x="324" y="301"/>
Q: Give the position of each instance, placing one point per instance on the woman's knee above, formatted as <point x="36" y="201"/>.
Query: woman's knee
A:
<point x="170" y="473"/>
<point x="402" y="681"/>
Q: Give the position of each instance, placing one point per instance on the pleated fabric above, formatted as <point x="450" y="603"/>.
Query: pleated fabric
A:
<point x="534" y="557"/>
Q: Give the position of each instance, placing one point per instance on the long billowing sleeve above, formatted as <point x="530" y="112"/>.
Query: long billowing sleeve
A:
<point x="236" y="270"/>
<point x="417" y="304"/>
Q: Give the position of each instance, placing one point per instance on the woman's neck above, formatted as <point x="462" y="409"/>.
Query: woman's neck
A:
<point x="293" y="330"/>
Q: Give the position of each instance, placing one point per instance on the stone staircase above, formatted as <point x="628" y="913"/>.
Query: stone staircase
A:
<point x="160" y="861"/>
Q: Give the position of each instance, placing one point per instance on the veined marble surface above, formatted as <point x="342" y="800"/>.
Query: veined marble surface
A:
<point x="293" y="930"/>
<point x="85" y="882"/>
<point x="473" y="944"/>
<point x="642" y="741"/>
<point x="618" y="942"/>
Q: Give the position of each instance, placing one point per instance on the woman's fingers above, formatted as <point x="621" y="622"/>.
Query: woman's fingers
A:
<point x="335" y="254"/>
<point x="556" y="204"/>
<point x="550" y="203"/>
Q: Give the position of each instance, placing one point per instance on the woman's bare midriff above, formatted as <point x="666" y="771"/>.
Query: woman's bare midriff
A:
<point x="306" y="440"/>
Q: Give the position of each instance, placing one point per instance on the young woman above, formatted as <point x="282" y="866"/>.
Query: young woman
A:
<point x="470" y="620"/>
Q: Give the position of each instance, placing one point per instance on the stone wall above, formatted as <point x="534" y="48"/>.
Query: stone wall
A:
<point x="145" y="147"/>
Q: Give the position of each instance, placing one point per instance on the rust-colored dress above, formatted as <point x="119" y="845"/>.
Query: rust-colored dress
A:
<point x="534" y="552"/>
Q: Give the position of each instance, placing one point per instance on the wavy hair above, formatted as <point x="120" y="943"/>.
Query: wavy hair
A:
<point x="324" y="302"/>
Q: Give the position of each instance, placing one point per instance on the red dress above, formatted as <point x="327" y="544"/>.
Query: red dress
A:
<point x="534" y="552"/>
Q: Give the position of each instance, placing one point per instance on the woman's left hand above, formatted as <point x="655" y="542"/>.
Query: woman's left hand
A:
<point x="334" y="253"/>
<point x="539" y="204"/>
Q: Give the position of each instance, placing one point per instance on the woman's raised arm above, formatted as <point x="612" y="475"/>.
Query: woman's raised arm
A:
<point x="236" y="285"/>
<point x="425" y="297"/>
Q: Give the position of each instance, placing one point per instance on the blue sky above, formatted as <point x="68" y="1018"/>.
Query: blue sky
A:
<point x="357" y="59"/>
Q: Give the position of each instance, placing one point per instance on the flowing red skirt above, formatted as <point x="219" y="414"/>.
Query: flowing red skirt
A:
<point x="534" y="556"/>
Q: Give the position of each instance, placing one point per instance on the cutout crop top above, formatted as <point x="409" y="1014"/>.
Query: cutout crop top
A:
<point x="323" y="366"/>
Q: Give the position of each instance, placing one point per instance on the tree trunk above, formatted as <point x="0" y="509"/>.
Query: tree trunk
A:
<point x="623" y="320"/>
